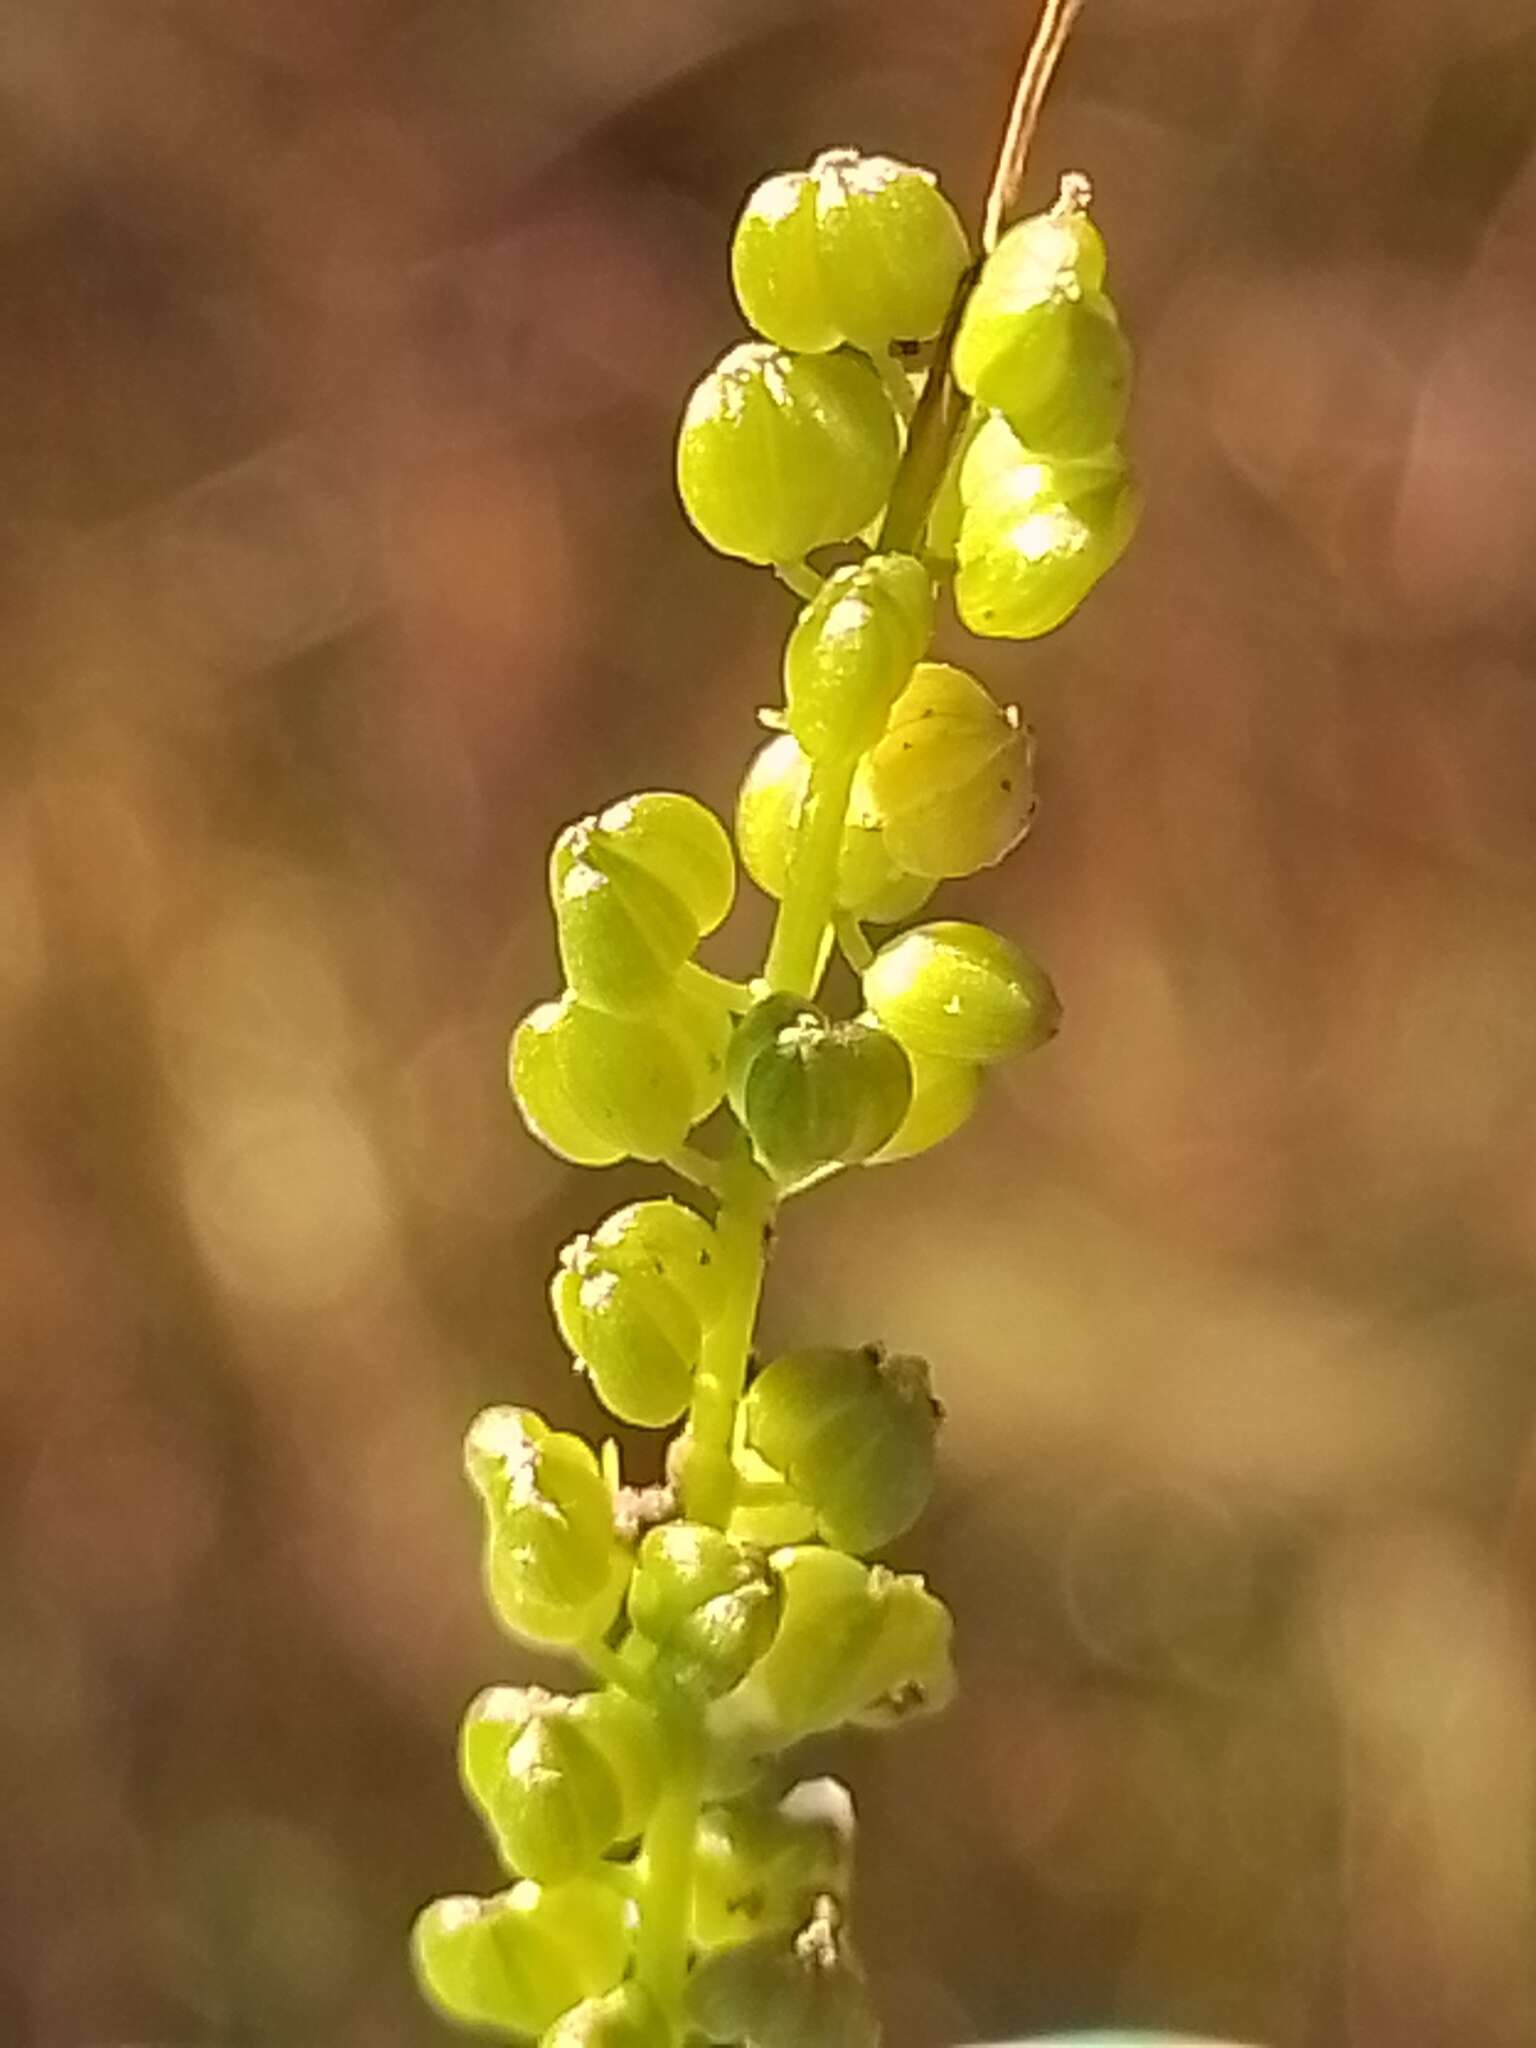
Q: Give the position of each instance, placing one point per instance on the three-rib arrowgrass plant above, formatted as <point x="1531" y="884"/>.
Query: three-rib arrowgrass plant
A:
<point x="908" y="415"/>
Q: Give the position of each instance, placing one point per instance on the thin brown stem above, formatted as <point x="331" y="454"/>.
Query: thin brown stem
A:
<point x="1041" y="59"/>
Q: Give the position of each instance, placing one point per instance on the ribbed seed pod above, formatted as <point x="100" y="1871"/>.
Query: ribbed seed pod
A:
<point x="515" y="1962"/>
<point x="759" y="1868"/>
<point x="853" y="1431"/>
<point x="554" y="1568"/>
<point x="851" y="651"/>
<point x="944" y="1096"/>
<point x="804" y="1992"/>
<point x="779" y="454"/>
<point x="819" y="1094"/>
<point x="1040" y="343"/>
<point x="631" y="1331"/>
<point x="595" y="1087"/>
<point x="958" y="991"/>
<point x="768" y="807"/>
<point x="626" y="2018"/>
<point x="625" y="1734"/>
<point x="859" y="248"/>
<point x="671" y="1240"/>
<point x="953" y="776"/>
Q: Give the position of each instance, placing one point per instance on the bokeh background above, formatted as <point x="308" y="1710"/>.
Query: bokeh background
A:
<point x="341" y="347"/>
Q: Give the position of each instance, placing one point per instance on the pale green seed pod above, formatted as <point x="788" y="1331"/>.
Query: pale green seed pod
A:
<point x="759" y="1868"/>
<point x="1039" y="341"/>
<point x="626" y="2018"/>
<point x="851" y="651"/>
<point x="595" y="1087"/>
<point x="953" y="776"/>
<point x="1036" y="537"/>
<point x="555" y="1570"/>
<point x="859" y="249"/>
<point x="804" y="1992"/>
<point x="854" y="1433"/>
<point x="908" y="1669"/>
<point x="672" y="1241"/>
<point x="808" y="1679"/>
<point x="944" y="1096"/>
<point x="555" y="1806"/>
<point x="698" y="1019"/>
<point x="625" y="1734"/>
<point x="768" y="807"/>
<point x="960" y="992"/>
<point x="634" y="889"/>
<point x="515" y="1962"/>
<point x="780" y="454"/>
<point x="708" y="1602"/>
<point x="634" y="1335"/>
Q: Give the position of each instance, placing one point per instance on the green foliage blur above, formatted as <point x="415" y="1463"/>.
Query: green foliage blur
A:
<point x="341" y="352"/>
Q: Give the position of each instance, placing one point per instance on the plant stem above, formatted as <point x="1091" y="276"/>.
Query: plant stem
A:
<point x="661" y="1940"/>
<point x="746" y="1205"/>
<point x="810" y="887"/>
<point x="1030" y="89"/>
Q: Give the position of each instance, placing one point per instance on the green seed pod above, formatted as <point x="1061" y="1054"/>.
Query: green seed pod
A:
<point x="708" y="1602"/>
<point x="595" y="1087"/>
<point x="626" y="2018"/>
<point x="682" y="844"/>
<point x="1039" y="342"/>
<point x="808" y="1679"/>
<point x="672" y="1241"/>
<point x="556" y="1807"/>
<point x="960" y="992"/>
<point x="515" y="1962"/>
<point x="851" y="651"/>
<point x="774" y="1993"/>
<point x="907" y="1670"/>
<point x="859" y="249"/>
<point x="699" y="1021"/>
<point x="756" y="1032"/>
<point x="1036" y="537"/>
<point x="953" y="778"/>
<point x="758" y="1869"/>
<point x="622" y="934"/>
<point x="853" y="1431"/>
<point x="554" y="1568"/>
<point x="779" y="454"/>
<point x="626" y="1736"/>
<point x="821" y="1094"/>
<point x="944" y="1094"/>
<point x="630" y="1330"/>
<point x="767" y="811"/>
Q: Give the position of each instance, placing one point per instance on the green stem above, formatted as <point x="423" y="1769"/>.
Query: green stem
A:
<point x="851" y="942"/>
<point x="810" y="888"/>
<point x="740" y="1227"/>
<point x="931" y="438"/>
<point x="893" y="375"/>
<point x="799" y="577"/>
<point x="661" y="1939"/>
<point x="736" y="995"/>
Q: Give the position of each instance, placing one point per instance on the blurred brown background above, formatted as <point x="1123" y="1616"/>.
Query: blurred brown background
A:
<point x="341" y="346"/>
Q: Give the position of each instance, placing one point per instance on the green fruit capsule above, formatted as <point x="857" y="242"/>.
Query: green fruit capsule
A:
<point x="1036" y="537"/>
<point x="630" y="1330"/>
<point x="554" y="1568"/>
<point x="944" y="1095"/>
<point x="953" y="778"/>
<point x="960" y="992"/>
<point x="671" y="1241"/>
<point x="682" y="844"/>
<point x="709" y="1603"/>
<point x="853" y="1431"/>
<point x="626" y="2018"/>
<point x="809" y="1678"/>
<point x="1039" y="341"/>
<point x="908" y="1669"/>
<point x="767" y="811"/>
<point x="859" y="249"/>
<point x="625" y="1735"/>
<point x="515" y="1962"/>
<point x="807" y="1992"/>
<point x="555" y="1806"/>
<point x="759" y="1868"/>
<point x="595" y="1087"/>
<point x="780" y="454"/>
<point x="622" y="934"/>
<point x="850" y="654"/>
<point x="816" y="1094"/>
